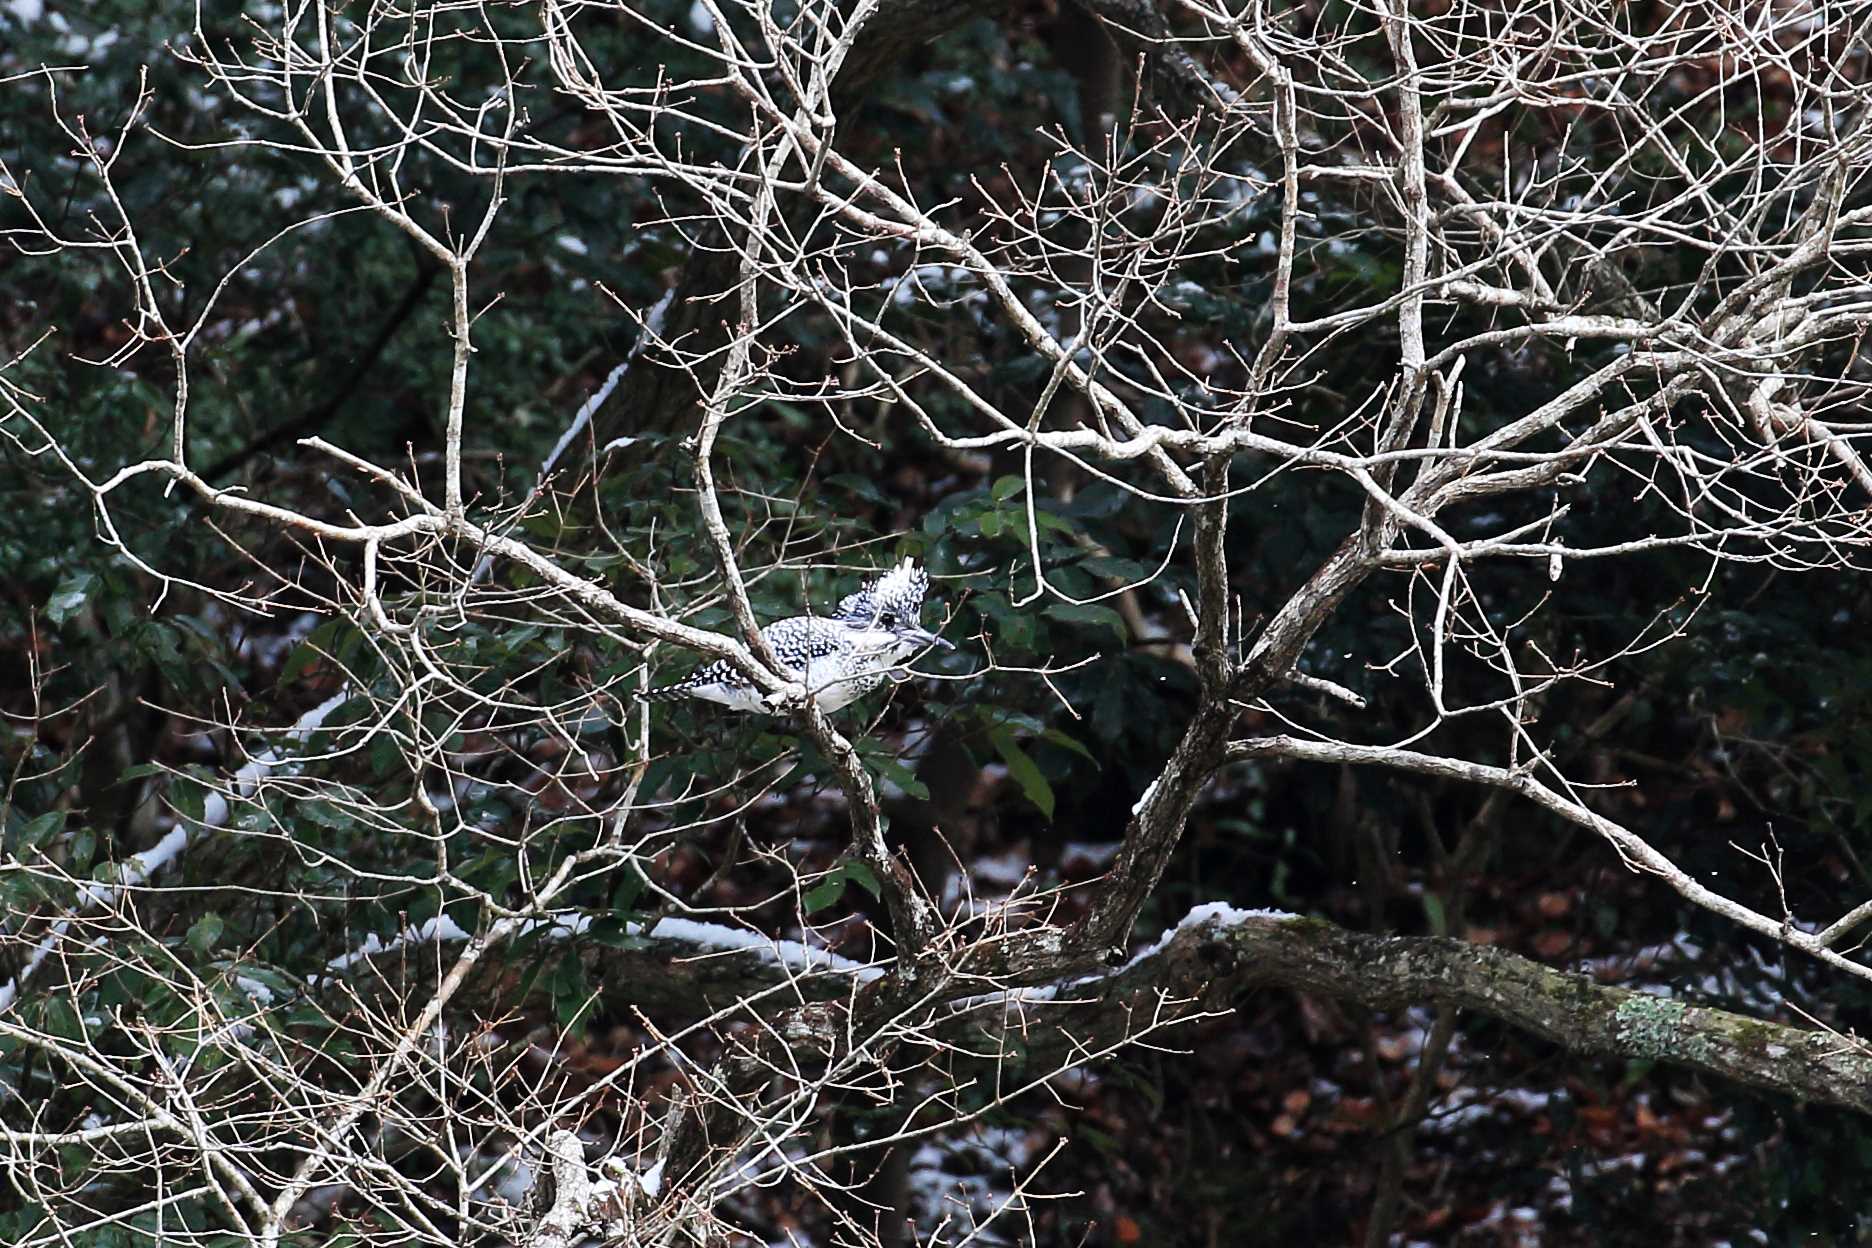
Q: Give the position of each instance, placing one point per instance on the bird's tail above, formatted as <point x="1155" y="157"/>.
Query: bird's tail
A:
<point x="666" y="693"/>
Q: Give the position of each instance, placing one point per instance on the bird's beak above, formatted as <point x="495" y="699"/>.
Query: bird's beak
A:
<point x="923" y="638"/>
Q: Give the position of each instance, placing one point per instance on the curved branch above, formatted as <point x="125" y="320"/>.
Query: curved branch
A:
<point x="1636" y="852"/>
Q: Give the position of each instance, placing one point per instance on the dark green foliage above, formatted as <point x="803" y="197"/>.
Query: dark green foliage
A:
<point x="1754" y="724"/>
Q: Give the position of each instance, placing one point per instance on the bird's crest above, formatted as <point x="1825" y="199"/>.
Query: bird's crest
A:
<point x="898" y="592"/>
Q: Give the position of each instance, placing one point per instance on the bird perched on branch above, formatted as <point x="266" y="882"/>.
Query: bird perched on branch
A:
<point x="838" y="657"/>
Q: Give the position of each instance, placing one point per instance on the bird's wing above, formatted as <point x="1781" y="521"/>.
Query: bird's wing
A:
<point x="796" y="642"/>
<point x="802" y="638"/>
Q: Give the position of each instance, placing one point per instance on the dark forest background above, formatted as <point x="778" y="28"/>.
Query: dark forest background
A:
<point x="1747" y="733"/>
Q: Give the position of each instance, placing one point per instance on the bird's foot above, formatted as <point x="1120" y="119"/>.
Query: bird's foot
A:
<point x="792" y="695"/>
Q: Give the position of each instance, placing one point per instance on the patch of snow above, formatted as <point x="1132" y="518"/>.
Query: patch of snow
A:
<point x="964" y="1202"/>
<point x="257" y="992"/>
<point x="141" y="866"/>
<point x="439" y="930"/>
<point x="1223" y="914"/>
<point x="1098" y="853"/>
<point x="1013" y="998"/>
<point x="513" y="1181"/>
<point x="1466" y="1106"/>
<point x="1005" y="869"/>
<point x="270" y="648"/>
<point x="567" y="924"/>
<point x="788" y="953"/>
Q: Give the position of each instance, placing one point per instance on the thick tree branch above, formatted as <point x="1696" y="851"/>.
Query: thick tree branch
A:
<point x="1216" y="955"/>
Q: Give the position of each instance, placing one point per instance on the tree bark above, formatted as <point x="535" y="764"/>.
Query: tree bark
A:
<point x="1214" y="957"/>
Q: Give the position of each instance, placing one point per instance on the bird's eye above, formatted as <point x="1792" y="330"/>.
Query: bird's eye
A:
<point x="888" y="619"/>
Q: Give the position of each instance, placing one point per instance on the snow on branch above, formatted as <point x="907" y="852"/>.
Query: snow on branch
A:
<point x="139" y="867"/>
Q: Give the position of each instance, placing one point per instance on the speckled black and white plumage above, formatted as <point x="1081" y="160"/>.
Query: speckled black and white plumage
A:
<point x="893" y="598"/>
<point x="838" y="657"/>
